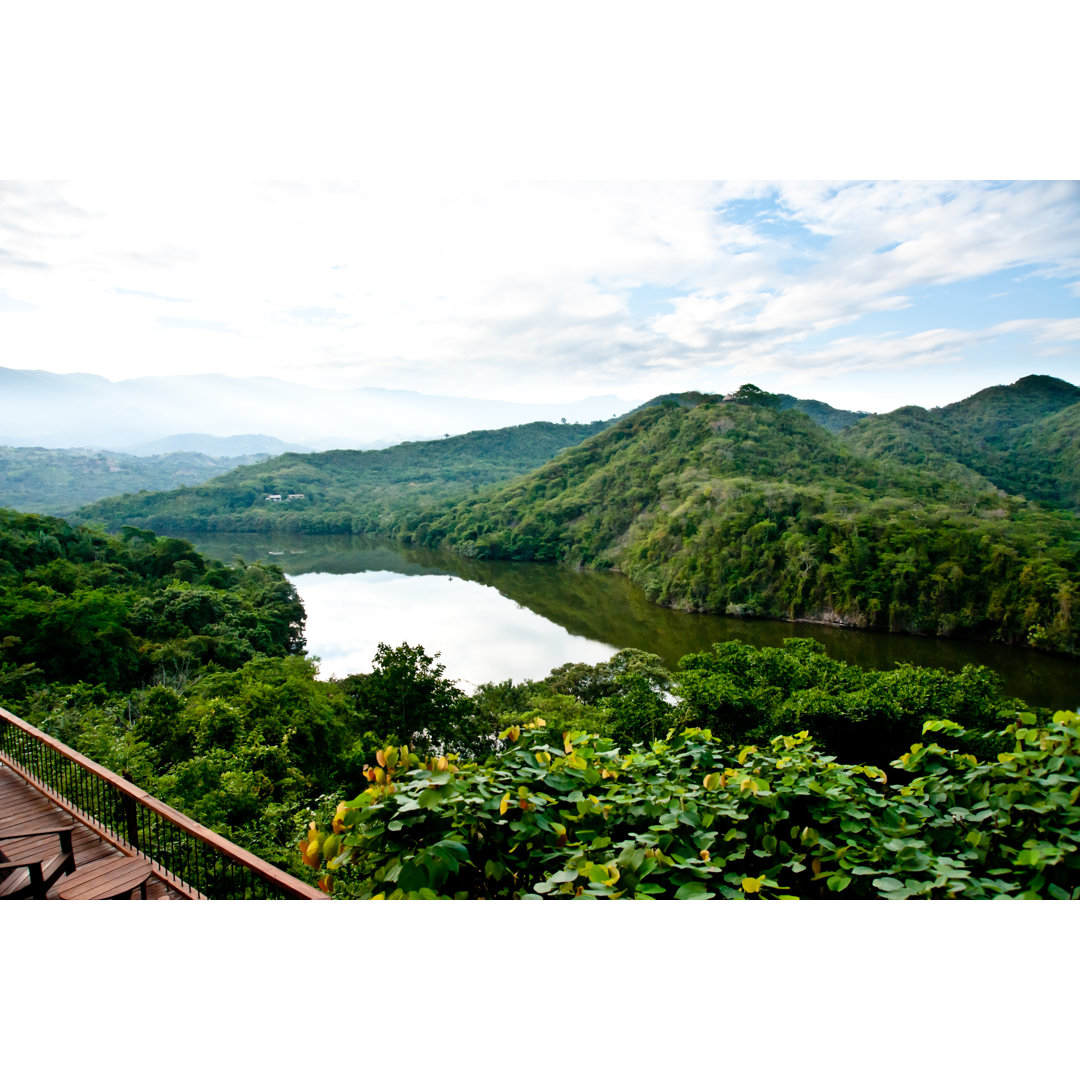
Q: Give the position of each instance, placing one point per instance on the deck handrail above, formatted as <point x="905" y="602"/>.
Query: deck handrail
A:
<point x="191" y="858"/>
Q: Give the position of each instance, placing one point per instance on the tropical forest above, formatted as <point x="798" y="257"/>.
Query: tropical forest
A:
<point x="738" y="771"/>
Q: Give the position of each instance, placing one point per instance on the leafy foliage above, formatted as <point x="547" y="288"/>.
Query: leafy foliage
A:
<point x="240" y="751"/>
<point x="407" y="698"/>
<point x="696" y="818"/>
<point x="753" y="694"/>
<point x="80" y="605"/>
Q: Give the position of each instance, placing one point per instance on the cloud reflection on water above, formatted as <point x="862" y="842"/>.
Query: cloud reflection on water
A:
<point x="482" y="636"/>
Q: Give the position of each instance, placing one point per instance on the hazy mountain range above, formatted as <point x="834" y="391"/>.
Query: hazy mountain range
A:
<point x="45" y="409"/>
<point x="218" y="446"/>
<point x="38" y="480"/>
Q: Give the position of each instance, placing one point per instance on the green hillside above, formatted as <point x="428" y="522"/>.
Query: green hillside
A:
<point x="1045" y="458"/>
<point x="40" y="481"/>
<point x="1023" y="439"/>
<point x="738" y="508"/>
<point x="342" y="490"/>
<point x="997" y="409"/>
<point x="76" y="604"/>
<point x="821" y="413"/>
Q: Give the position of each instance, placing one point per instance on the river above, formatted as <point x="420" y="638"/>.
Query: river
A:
<point x="491" y="621"/>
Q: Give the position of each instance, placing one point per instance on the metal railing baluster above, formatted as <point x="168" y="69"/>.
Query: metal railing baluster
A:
<point x="183" y="851"/>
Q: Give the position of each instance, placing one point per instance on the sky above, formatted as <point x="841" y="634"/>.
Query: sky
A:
<point x="867" y="295"/>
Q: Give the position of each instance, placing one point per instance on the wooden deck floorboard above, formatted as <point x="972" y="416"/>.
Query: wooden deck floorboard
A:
<point x="21" y="806"/>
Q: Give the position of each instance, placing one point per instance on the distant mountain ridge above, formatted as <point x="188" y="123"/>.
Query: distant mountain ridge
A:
<point x="228" y="446"/>
<point x="830" y="418"/>
<point x="52" y="410"/>
<point x="36" y="480"/>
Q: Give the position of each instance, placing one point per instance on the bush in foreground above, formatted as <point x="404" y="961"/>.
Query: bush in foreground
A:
<point x="572" y="815"/>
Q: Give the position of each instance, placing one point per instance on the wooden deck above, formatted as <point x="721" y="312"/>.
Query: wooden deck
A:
<point x="44" y="779"/>
<point x="24" y="807"/>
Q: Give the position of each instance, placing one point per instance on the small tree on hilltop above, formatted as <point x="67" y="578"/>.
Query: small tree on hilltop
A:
<point x="749" y="394"/>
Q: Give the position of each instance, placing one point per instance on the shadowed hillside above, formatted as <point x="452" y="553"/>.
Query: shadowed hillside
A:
<point x="1023" y="439"/>
<point x="738" y="508"/>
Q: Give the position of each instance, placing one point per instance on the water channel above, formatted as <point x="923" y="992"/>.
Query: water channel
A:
<point x="491" y="621"/>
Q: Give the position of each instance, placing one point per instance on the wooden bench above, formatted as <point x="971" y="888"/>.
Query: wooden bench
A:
<point x="31" y="857"/>
<point x="107" y="879"/>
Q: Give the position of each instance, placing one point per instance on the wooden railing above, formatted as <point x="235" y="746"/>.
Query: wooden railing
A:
<point x="190" y="858"/>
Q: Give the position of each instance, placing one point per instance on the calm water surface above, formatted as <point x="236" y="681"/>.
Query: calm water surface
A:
<point x="495" y="621"/>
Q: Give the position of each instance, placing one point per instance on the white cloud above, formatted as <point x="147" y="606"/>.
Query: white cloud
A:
<point x="1048" y="331"/>
<point x="502" y="289"/>
<point x="863" y="353"/>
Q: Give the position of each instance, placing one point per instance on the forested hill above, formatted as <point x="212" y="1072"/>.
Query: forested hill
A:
<point x="1023" y="439"/>
<point x="76" y="604"/>
<point x="828" y="417"/>
<point x="740" y="508"/>
<point x="343" y="490"/>
<point x="42" y="481"/>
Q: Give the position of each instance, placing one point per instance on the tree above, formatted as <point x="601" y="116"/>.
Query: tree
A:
<point x="406" y="698"/>
<point x="749" y="394"/>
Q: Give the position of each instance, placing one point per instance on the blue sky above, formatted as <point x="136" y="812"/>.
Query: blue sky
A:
<point x="867" y="295"/>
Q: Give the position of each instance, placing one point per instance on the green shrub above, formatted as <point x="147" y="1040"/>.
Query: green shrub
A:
<point x="694" y="818"/>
